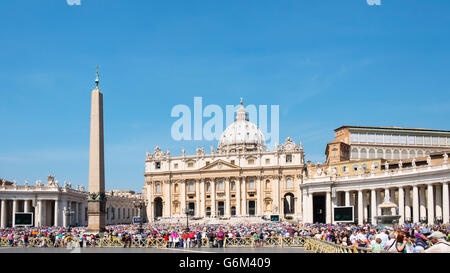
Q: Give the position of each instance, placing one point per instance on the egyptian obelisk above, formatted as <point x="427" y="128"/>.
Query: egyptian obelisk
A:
<point x="97" y="197"/>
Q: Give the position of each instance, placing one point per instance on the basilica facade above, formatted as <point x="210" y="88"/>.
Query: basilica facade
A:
<point x="365" y="168"/>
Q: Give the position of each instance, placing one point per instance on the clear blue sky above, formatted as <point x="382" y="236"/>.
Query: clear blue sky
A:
<point x="325" y="63"/>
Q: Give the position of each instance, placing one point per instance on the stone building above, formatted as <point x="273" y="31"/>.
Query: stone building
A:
<point x="239" y="179"/>
<point x="53" y="204"/>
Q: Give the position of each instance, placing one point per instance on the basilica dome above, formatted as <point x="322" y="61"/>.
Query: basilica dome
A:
<point x="241" y="135"/>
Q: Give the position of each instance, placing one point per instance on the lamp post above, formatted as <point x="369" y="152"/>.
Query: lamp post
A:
<point x="68" y="213"/>
<point x="187" y="211"/>
<point x="140" y="204"/>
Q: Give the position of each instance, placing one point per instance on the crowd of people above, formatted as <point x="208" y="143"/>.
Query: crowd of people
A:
<point x="402" y="239"/>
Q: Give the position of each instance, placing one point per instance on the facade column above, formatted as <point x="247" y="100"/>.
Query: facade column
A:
<point x="202" y="198"/>
<point x="328" y="207"/>
<point x="227" y="198"/>
<point x="438" y="204"/>
<point x="3" y="214"/>
<point x="310" y="208"/>
<point x="27" y="205"/>
<point x="299" y="204"/>
<point x="334" y="203"/>
<point x="401" y="205"/>
<point x="416" y="217"/>
<point x="57" y="213"/>
<point x="373" y="206"/>
<point x="168" y="201"/>
<point x="238" y="197"/>
<point x="213" y="198"/>
<point x="360" y="207"/>
<point x="422" y="203"/>
<point x="40" y="213"/>
<point x="430" y="204"/>
<point x="77" y="214"/>
<point x="276" y="195"/>
<point x="365" y="210"/>
<point x="259" y="200"/>
<point x="445" y="203"/>
<point x="244" y="197"/>
<point x="407" y="193"/>
<point x="14" y="210"/>
<point x="183" y="197"/>
<point x="347" y="198"/>
<point x="392" y="199"/>
<point x="197" y="198"/>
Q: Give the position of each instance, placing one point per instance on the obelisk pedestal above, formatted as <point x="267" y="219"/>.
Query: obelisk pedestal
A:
<point x="97" y="197"/>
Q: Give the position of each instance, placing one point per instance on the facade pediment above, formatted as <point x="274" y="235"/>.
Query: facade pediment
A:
<point x="220" y="165"/>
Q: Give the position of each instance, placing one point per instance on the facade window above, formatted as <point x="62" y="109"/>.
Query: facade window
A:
<point x="427" y="140"/>
<point x="412" y="154"/>
<point x="158" y="188"/>
<point x="394" y="139"/>
<point x="387" y="138"/>
<point x="344" y="169"/>
<point x="404" y="154"/>
<point x="113" y="213"/>
<point x="380" y="153"/>
<point x="175" y="166"/>
<point x="379" y="138"/>
<point x="371" y="138"/>
<point x="267" y="161"/>
<point x="251" y="184"/>
<point x="233" y="186"/>
<point x="354" y="137"/>
<point x="435" y="140"/>
<point x="419" y="140"/>
<point x="267" y="184"/>
<point x="288" y="158"/>
<point x="220" y="185"/>
<point x="402" y="139"/>
<point x="427" y="152"/>
<point x="191" y="186"/>
<point x="190" y="164"/>
<point x="355" y="168"/>
<point x="411" y="140"/>
<point x="251" y="161"/>
<point x="354" y="153"/>
<point x="363" y="153"/>
<point x="396" y="154"/>
<point x="289" y="183"/>
<point x="371" y="153"/>
<point x="442" y="141"/>
<point x="157" y="165"/>
<point x="419" y="153"/>
<point x="364" y="167"/>
<point x="208" y="187"/>
<point x="175" y="188"/>
<point x="362" y="137"/>
<point x="388" y="154"/>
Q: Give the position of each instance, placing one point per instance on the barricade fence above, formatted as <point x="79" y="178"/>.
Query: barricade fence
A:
<point x="309" y="243"/>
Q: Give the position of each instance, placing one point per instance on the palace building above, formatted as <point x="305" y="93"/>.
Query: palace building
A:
<point x="365" y="167"/>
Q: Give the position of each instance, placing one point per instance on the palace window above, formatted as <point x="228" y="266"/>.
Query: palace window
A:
<point x="435" y="140"/>
<point x="371" y="137"/>
<point x="387" y="138"/>
<point x="402" y="139"/>
<point x="363" y="137"/>
<point x="354" y="153"/>
<point x="371" y="153"/>
<point x="380" y="153"/>
<point x="157" y="165"/>
<point x="388" y="154"/>
<point x="220" y="185"/>
<point x="411" y="140"/>
<point x="419" y="153"/>
<point x="442" y="141"/>
<point x="419" y="140"/>
<point x="404" y="154"/>
<point x="412" y="154"/>
<point x="363" y="153"/>
<point x="251" y="184"/>
<point x="379" y="138"/>
<point x="427" y="140"/>
<point x="396" y="154"/>
<point x="395" y="139"/>
<point x="354" y="137"/>
<point x="427" y="152"/>
<point x="288" y="158"/>
<point x="289" y="183"/>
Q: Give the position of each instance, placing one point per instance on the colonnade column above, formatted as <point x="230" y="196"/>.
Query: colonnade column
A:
<point x="310" y="208"/>
<point x="213" y="198"/>
<point x="373" y="206"/>
<point x="438" y="205"/>
<point x="14" y="210"/>
<point x="227" y="198"/>
<point x="360" y="208"/>
<point x="328" y="208"/>
<point x="150" y="203"/>
<point x="401" y="205"/>
<point x="27" y="205"/>
<point x="244" y="197"/>
<point x="445" y="203"/>
<point x="57" y="213"/>
<point x="347" y="198"/>
<point x="422" y="203"/>
<point x="430" y="204"/>
<point x="365" y="210"/>
<point x="407" y="193"/>
<point x="4" y="219"/>
<point x="416" y="217"/>
<point x="65" y="216"/>
<point x="41" y="212"/>
<point x="238" y="197"/>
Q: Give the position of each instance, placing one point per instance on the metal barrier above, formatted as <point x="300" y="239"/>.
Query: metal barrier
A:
<point x="309" y="243"/>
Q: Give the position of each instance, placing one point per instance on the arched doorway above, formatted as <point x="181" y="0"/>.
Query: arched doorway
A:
<point x="289" y="205"/>
<point x="158" y="207"/>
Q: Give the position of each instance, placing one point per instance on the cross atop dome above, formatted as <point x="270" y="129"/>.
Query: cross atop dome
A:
<point x="241" y="113"/>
